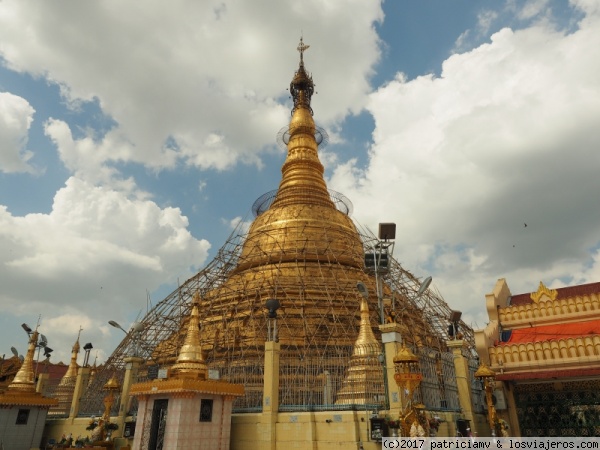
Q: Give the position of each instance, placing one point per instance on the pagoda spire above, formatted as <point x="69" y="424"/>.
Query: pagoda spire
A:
<point x="72" y="370"/>
<point x="22" y="389"/>
<point x="302" y="179"/>
<point x="190" y="363"/>
<point x="302" y="207"/>
<point x="365" y="370"/>
<point x="24" y="379"/>
<point x="302" y="87"/>
<point x="366" y="342"/>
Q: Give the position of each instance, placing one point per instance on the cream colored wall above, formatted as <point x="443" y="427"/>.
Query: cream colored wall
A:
<point x="484" y="338"/>
<point x="301" y="430"/>
<point x="310" y="430"/>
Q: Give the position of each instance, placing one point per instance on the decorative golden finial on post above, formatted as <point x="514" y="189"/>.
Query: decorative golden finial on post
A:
<point x="104" y="427"/>
<point x="488" y="377"/>
<point x="302" y="87"/>
<point x="302" y="47"/>
<point x="408" y="377"/>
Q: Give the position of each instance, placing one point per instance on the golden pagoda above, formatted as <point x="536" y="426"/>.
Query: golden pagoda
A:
<point x="21" y="391"/>
<point x="66" y="386"/>
<point x="365" y="372"/>
<point x="304" y="250"/>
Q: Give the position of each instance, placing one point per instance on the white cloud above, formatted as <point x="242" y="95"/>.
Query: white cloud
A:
<point x="533" y="8"/>
<point x="506" y="135"/>
<point x="196" y="81"/>
<point x="485" y="19"/>
<point x="92" y="256"/>
<point x="16" y="115"/>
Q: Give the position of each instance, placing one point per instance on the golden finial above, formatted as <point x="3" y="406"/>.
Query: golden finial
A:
<point x="302" y="87"/>
<point x="302" y="47"/>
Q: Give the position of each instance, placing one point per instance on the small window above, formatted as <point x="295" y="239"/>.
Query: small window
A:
<point x="206" y="408"/>
<point x="22" y="417"/>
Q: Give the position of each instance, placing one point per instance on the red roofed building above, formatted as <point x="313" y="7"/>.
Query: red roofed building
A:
<point x="545" y="349"/>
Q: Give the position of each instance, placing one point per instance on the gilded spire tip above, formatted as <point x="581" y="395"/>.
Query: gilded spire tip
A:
<point x="302" y="47"/>
<point x="302" y="87"/>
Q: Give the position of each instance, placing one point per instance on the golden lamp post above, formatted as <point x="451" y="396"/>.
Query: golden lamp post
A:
<point x="488" y="378"/>
<point x="111" y="387"/>
<point x="408" y="377"/>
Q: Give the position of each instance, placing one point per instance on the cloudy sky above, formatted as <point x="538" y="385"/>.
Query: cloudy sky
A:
<point x="132" y="137"/>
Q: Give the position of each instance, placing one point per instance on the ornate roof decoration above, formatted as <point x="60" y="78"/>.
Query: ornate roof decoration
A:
<point x="542" y="292"/>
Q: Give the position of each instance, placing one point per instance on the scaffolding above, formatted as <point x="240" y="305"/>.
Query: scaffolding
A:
<point x="304" y="365"/>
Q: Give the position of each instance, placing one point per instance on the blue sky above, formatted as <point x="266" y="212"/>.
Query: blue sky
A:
<point x="133" y="139"/>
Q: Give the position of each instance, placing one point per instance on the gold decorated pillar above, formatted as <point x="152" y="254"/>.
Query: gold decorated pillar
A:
<point x="392" y="339"/>
<point x="111" y="387"/>
<point x="463" y="384"/>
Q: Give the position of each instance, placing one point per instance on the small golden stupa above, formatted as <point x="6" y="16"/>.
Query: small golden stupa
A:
<point x="22" y="390"/>
<point x="66" y="386"/>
